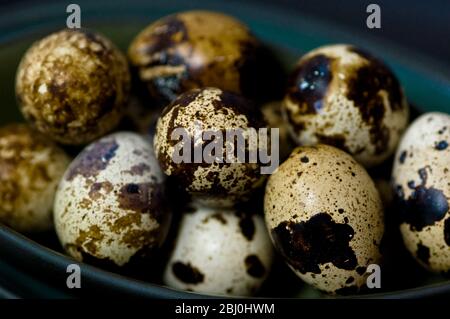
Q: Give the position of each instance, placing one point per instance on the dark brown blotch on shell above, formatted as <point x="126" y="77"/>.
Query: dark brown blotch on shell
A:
<point x="143" y="198"/>
<point x="254" y="266"/>
<point x="309" y="82"/>
<point x="447" y="231"/>
<point x="364" y="88"/>
<point x="187" y="273"/>
<point x="246" y="225"/>
<point x="307" y="245"/>
<point x="424" y="206"/>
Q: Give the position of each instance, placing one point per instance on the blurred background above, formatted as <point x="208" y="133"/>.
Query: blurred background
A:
<point x="423" y="26"/>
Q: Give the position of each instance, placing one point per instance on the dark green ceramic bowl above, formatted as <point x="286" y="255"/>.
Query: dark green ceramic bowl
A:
<point x="35" y="267"/>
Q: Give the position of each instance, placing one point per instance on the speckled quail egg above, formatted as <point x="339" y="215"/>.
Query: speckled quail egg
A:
<point x="181" y="143"/>
<point x="195" y="49"/>
<point x="342" y="96"/>
<point x="421" y="179"/>
<point x="220" y="251"/>
<point x="73" y="85"/>
<point x="273" y="116"/>
<point x="110" y="206"/>
<point x="30" y="169"/>
<point x="325" y="217"/>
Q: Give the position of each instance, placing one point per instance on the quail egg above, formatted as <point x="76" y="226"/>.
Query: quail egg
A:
<point x="325" y="217"/>
<point x="209" y="167"/>
<point x="421" y="179"/>
<point x="30" y="169"/>
<point x="73" y="85"/>
<point x="220" y="251"/>
<point x="110" y="205"/>
<point x="343" y="96"/>
<point x="195" y="49"/>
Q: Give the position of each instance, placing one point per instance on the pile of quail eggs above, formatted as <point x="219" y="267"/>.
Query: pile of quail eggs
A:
<point x="116" y="202"/>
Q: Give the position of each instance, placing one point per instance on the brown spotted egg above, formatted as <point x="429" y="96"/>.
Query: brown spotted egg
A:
<point x="421" y="179"/>
<point x="30" y="169"/>
<point x="325" y="217"/>
<point x="342" y="96"/>
<point x="109" y="206"/>
<point x="221" y="180"/>
<point x="195" y="49"/>
<point x="73" y="85"/>
<point x="220" y="251"/>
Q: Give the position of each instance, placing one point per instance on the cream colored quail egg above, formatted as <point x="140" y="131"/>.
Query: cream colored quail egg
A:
<point x="343" y="96"/>
<point x="220" y="251"/>
<point x="421" y="179"/>
<point x="110" y="204"/>
<point x="325" y="217"/>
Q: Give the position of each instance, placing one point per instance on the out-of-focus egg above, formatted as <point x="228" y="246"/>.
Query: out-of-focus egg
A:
<point x="196" y="49"/>
<point x="73" y="86"/>
<point x="30" y="169"/>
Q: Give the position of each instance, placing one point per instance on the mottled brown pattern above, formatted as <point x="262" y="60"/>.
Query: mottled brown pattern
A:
<point x="197" y="49"/>
<point x="343" y="96"/>
<point x="138" y="238"/>
<point x="30" y="168"/>
<point x="98" y="189"/>
<point x="138" y="169"/>
<point x="143" y="198"/>
<point x="73" y="85"/>
<point x="89" y="239"/>
<point x="92" y="160"/>
<point x="126" y="221"/>
<point x="183" y="113"/>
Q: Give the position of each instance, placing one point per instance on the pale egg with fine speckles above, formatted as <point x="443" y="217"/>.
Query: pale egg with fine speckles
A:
<point x="110" y="205"/>
<point x="325" y="217"/>
<point x="421" y="179"/>
<point x="220" y="251"/>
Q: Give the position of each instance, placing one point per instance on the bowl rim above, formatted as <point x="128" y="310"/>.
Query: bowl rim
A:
<point x="47" y="258"/>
